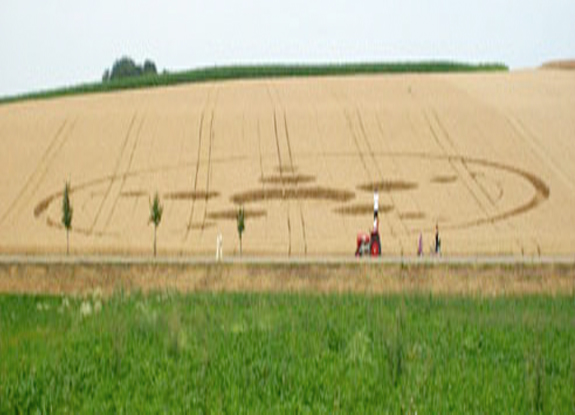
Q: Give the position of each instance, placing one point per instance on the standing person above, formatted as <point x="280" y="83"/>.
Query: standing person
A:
<point x="375" y="210"/>
<point x="420" y="245"/>
<point x="375" y="244"/>
<point x="437" y="240"/>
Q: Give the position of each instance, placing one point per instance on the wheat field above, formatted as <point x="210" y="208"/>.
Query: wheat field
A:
<point x="487" y="157"/>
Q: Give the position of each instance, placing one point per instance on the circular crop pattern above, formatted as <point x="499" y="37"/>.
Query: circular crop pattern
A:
<point x="472" y="178"/>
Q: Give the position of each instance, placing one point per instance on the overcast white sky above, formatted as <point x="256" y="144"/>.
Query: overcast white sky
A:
<point x="50" y="43"/>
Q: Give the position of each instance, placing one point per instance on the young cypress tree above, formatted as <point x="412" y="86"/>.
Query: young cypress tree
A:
<point x="241" y="225"/>
<point x="67" y="212"/>
<point x="156" y="210"/>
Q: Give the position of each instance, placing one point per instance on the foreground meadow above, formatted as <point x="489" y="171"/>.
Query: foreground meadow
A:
<point x="286" y="353"/>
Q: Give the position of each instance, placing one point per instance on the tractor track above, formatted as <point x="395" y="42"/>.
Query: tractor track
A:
<point x="526" y="136"/>
<point x="374" y="159"/>
<point x="198" y="161"/>
<point x="260" y="154"/>
<point x="465" y="166"/>
<point x="451" y="163"/>
<point x="494" y="212"/>
<point x="281" y="167"/>
<point x="125" y="174"/>
<point x="393" y="161"/>
<point x="359" y="152"/>
<point x="198" y="158"/>
<point x="323" y="156"/>
<point x="261" y="161"/>
<point x="292" y="168"/>
<point x="496" y="115"/>
<point x="496" y="183"/>
<point x="302" y="220"/>
<point x="521" y="131"/>
<point x="181" y="157"/>
<point x="276" y="135"/>
<point x="64" y="141"/>
<point x="492" y="217"/>
<point x="357" y="146"/>
<point x="114" y="175"/>
<point x="350" y="128"/>
<point x="35" y="179"/>
<point x="353" y="134"/>
<point x="209" y="169"/>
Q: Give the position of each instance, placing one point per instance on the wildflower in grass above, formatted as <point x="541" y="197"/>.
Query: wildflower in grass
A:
<point x="85" y="309"/>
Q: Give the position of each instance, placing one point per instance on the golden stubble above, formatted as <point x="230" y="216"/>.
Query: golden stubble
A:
<point x="368" y="279"/>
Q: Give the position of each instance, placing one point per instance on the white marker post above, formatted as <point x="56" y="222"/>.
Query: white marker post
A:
<point x="219" y="248"/>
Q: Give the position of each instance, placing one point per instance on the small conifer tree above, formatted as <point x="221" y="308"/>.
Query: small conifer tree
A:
<point x="241" y="225"/>
<point x="67" y="212"/>
<point x="156" y="210"/>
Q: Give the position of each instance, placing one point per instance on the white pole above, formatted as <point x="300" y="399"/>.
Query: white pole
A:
<point x="219" y="248"/>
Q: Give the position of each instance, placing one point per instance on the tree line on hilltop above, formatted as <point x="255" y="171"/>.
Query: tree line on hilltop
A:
<point x="125" y="67"/>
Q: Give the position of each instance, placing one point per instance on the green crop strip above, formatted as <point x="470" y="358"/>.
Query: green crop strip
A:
<point x="256" y="72"/>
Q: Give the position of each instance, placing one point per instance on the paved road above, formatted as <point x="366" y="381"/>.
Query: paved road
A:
<point x="181" y="260"/>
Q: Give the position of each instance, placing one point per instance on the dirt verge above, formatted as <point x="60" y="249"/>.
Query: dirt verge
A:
<point x="364" y="278"/>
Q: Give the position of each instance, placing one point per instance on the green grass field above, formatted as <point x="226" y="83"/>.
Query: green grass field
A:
<point x="287" y="353"/>
<point x="257" y="71"/>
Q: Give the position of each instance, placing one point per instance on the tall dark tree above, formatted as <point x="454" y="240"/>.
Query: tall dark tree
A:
<point x="67" y="212"/>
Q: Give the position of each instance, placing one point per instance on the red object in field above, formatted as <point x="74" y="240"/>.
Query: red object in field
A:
<point x="368" y="245"/>
<point x="362" y="247"/>
<point x="375" y="244"/>
<point x="362" y="238"/>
